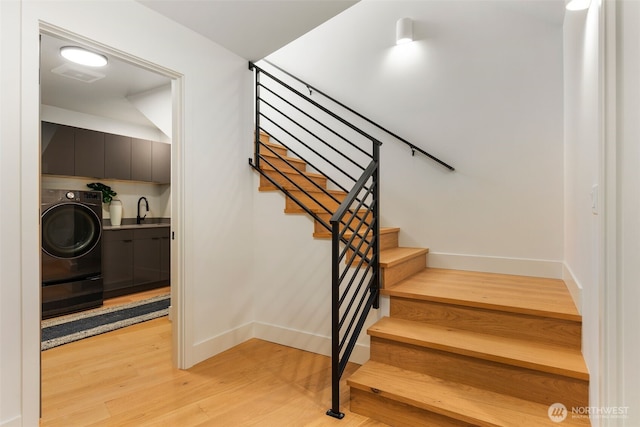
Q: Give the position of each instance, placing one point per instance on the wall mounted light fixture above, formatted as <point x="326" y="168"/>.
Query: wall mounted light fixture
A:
<point x="578" y="4"/>
<point x="404" y="31"/>
<point x="83" y="56"/>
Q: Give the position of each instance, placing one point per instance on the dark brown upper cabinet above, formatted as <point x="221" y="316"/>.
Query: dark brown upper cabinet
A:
<point x="57" y="149"/>
<point x="89" y="151"/>
<point x="117" y="156"/>
<point x="140" y="159"/>
<point x="71" y="151"/>
<point x="161" y="163"/>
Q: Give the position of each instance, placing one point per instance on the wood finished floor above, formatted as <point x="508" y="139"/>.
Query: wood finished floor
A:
<point x="125" y="378"/>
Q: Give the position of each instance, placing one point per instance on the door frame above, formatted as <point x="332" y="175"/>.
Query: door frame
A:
<point x="177" y="197"/>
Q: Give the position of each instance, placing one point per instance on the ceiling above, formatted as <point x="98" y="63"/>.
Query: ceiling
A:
<point x="106" y="97"/>
<point x="250" y="28"/>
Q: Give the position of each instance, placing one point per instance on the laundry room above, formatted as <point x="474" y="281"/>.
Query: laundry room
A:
<point x="105" y="178"/>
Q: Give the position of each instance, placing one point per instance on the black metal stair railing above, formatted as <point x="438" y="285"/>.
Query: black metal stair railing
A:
<point x="355" y="270"/>
<point x="349" y="159"/>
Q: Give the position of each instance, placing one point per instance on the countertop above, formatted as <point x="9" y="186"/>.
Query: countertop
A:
<point x="130" y="223"/>
<point x="133" y="226"/>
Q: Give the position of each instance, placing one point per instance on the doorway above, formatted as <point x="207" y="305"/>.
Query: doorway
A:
<point x="136" y="100"/>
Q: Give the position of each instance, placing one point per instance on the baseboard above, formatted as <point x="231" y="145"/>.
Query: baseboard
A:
<point x="504" y="265"/>
<point x="277" y="334"/>
<point x="212" y="346"/>
<point x="306" y="341"/>
<point x="14" y="422"/>
<point x="573" y="286"/>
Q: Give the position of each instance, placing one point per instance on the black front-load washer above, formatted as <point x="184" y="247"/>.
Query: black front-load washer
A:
<point x="71" y="223"/>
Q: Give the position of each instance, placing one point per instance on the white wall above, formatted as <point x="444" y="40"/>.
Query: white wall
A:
<point x="628" y="97"/>
<point x="481" y="88"/>
<point x="582" y="172"/>
<point x="212" y="189"/>
<point x="10" y="233"/>
<point x="63" y="116"/>
<point x="155" y="104"/>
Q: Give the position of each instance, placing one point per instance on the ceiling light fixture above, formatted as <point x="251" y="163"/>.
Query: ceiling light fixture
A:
<point x="578" y="4"/>
<point x="404" y="31"/>
<point x="82" y="56"/>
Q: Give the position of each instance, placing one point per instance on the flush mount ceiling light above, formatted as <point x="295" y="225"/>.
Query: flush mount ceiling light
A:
<point x="82" y="56"/>
<point x="404" y="31"/>
<point x="578" y="4"/>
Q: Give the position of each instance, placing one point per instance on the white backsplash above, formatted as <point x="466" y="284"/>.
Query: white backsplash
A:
<point x="159" y="196"/>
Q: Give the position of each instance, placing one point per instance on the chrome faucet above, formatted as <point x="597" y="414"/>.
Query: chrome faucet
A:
<point x="146" y="203"/>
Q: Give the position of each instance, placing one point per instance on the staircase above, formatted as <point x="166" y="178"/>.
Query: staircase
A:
<point x="397" y="263"/>
<point x="459" y="348"/>
<point x="467" y="348"/>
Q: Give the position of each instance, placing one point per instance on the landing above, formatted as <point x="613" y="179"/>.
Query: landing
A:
<point x="517" y="294"/>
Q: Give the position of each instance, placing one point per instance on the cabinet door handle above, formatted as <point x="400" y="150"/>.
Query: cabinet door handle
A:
<point x="127" y="241"/>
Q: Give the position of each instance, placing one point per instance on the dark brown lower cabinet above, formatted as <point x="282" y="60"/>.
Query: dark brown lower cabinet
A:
<point x="135" y="260"/>
<point x="117" y="260"/>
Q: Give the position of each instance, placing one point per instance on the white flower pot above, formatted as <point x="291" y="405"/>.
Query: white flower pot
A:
<point x="115" y="212"/>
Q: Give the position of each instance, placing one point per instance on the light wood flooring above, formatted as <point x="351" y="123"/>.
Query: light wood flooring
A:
<point x="125" y="378"/>
<point x="125" y="299"/>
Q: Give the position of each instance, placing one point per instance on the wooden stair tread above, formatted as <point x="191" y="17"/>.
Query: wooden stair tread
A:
<point x="516" y="352"/>
<point x="323" y="192"/>
<point x="462" y="402"/>
<point x="312" y="192"/>
<point x="273" y="144"/>
<point x="309" y="174"/>
<point x="517" y="294"/>
<point x="267" y="153"/>
<point x="326" y="234"/>
<point x="395" y="256"/>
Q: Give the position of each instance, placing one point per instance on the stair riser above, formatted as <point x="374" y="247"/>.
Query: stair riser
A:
<point x="397" y="273"/>
<point x="295" y="166"/>
<point x="299" y="179"/>
<point x="565" y="333"/>
<point x="318" y="228"/>
<point x="396" y="413"/>
<point x="387" y="241"/>
<point x="263" y="137"/>
<point x="270" y="149"/>
<point x="529" y="384"/>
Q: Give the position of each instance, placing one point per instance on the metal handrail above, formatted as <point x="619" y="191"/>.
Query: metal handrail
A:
<point x="413" y="147"/>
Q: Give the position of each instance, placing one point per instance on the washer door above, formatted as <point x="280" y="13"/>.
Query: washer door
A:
<point x="70" y="230"/>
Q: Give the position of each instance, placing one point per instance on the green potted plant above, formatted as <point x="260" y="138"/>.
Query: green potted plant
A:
<point x="107" y="193"/>
<point x="108" y="198"/>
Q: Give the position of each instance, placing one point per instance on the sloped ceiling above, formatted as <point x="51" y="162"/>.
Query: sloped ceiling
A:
<point x="250" y="28"/>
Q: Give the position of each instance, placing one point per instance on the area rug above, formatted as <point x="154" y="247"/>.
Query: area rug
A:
<point x="74" y="327"/>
